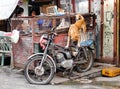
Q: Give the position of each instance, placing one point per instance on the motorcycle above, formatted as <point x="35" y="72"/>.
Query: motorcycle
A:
<point x="40" y="68"/>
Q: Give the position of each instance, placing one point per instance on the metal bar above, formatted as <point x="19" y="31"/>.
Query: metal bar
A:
<point x="3" y="58"/>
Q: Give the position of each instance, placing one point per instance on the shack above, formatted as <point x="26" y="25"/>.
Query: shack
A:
<point x="102" y="26"/>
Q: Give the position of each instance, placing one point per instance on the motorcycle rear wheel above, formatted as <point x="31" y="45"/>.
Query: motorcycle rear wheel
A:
<point x="85" y="62"/>
<point x="42" y="76"/>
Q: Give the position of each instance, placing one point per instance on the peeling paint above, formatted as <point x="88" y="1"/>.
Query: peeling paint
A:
<point x="108" y="28"/>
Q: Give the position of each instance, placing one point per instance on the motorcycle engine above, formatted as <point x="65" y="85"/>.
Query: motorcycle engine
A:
<point x="64" y="60"/>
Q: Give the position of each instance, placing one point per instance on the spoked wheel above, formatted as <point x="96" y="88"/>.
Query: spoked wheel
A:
<point x="85" y="60"/>
<point x="36" y="75"/>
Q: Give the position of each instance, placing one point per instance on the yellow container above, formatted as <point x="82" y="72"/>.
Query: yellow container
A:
<point x="111" y="72"/>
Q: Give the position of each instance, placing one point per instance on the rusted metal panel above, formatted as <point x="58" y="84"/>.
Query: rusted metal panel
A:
<point x="21" y="51"/>
<point x="61" y="39"/>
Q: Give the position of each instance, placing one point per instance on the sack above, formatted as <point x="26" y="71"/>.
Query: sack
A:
<point x="15" y="36"/>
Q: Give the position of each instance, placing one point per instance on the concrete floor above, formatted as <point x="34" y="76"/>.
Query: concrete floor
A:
<point x="12" y="79"/>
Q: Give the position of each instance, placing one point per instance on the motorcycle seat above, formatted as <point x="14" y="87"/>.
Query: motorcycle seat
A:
<point x="88" y="42"/>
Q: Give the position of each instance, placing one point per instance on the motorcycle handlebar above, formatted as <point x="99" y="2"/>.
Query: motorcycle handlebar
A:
<point x="53" y="28"/>
<point x="52" y="31"/>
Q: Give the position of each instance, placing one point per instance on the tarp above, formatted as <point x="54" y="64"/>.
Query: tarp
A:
<point x="6" y="8"/>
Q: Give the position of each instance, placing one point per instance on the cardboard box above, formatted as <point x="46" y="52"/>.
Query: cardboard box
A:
<point x="44" y="8"/>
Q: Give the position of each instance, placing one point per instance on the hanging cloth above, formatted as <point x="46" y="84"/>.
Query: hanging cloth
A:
<point x="6" y="8"/>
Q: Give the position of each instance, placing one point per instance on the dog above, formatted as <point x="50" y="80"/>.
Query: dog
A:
<point x="77" y="31"/>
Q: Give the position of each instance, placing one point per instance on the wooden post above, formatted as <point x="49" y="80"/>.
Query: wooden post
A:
<point x="118" y="34"/>
<point x="101" y="32"/>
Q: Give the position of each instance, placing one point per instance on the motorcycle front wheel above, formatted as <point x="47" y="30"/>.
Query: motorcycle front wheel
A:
<point x="85" y="60"/>
<point x="36" y="75"/>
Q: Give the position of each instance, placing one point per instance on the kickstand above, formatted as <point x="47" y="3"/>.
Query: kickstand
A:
<point x="70" y="74"/>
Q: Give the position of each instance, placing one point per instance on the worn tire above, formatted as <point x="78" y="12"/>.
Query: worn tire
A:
<point x="89" y="60"/>
<point x="48" y="66"/>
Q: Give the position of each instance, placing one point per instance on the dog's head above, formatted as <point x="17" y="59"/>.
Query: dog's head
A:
<point x="78" y="16"/>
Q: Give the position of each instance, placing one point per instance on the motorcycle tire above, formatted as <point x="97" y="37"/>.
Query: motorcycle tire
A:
<point x="86" y="60"/>
<point x="39" y="76"/>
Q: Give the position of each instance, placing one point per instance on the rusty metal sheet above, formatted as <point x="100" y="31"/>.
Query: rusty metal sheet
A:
<point x="21" y="51"/>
